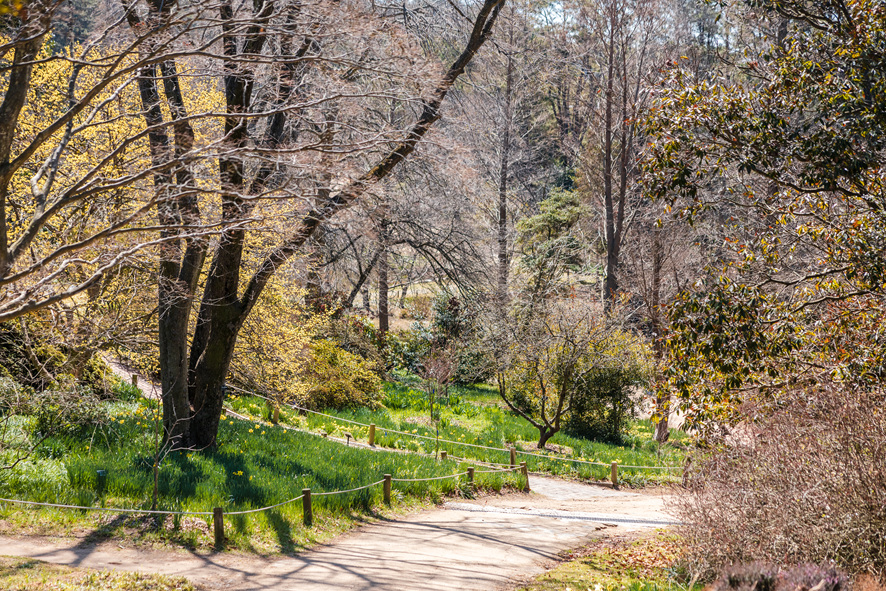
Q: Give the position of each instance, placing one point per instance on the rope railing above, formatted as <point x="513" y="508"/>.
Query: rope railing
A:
<point x="463" y="443"/>
<point x="218" y="513"/>
<point x="427" y="479"/>
<point x="105" y="509"/>
<point x="350" y="490"/>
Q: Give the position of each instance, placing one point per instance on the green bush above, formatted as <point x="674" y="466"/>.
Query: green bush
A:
<point x="602" y="404"/>
<point x="340" y="379"/>
<point x="64" y="409"/>
<point x="357" y="335"/>
<point x="409" y="348"/>
<point x="67" y="408"/>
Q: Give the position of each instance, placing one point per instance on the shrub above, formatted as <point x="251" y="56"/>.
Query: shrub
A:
<point x="357" y="335"/>
<point x="472" y="365"/>
<point x="66" y="408"/>
<point x="418" y="307"/>
<point x="338" y="379"/>
<point x="27" y="369"/>
<point x="602" y="403"/>
<point x="767" y="577"/>
<point x="409" y="348"/>
<point x="274" y="346"/>
<point x="804" y="483"/>
<point x="99" y="378"/>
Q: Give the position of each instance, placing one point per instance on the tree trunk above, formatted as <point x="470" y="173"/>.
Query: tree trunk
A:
<point x="383" y="286"/>
<point x="503" y="262"/>
<point x="610" y="286"/>
<point x="367" y="304"/>
<point x="404" y="291"/>
<point x="179" y="267"/>
<point x="544" y="434"/>
<point x="663" y="398"/>
<point x="314" y="282"/>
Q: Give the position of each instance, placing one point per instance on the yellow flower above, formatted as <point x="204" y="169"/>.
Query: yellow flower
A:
<point x="250" y="430"/>
<point x="262" y="432"/>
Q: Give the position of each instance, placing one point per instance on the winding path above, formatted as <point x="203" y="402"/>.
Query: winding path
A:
<point x="483" y="544"/>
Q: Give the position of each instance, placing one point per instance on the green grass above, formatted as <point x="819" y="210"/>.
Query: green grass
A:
<point x="476" y="416"/>
<point x="254" y="466"/>
<point x="25" y="574"/>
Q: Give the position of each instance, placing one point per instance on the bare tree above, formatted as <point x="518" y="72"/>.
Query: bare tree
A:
<point x="300" y="144"/>
<point x="612" y="50"/>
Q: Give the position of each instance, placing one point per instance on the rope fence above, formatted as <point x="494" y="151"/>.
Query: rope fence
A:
<point x="372" y="428"/>
<point x="218" y="513"/>
<point x="306" y="497"/>
<point x="106" y="509"/>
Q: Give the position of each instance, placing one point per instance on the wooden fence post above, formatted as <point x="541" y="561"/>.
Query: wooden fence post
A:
<point x="372" y="435"/>
<point x="218" y="523"/>
<point x="471" y="477"/>
<point x="276" y="418"/>
<point x="306" y="506"/>
<point x="135" y="380"/>
<point x="513" y="456"/>
<point x="443" y="456"/>
<point x="614" y="475"/>
<point x="525" y="471"/>
<point x="386" y="486"/>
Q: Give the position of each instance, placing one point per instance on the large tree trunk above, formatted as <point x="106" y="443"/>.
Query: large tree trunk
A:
<point x="610" y="286"/>
<point x="182" y="259"/>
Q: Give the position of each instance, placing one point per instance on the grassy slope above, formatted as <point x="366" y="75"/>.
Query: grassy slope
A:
<point x="477" y="416"/>
<point x="254" y="466"/>
<point x="23" y="574"/>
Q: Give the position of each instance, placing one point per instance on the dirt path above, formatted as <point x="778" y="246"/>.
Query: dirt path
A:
<point x="482" y="544"/>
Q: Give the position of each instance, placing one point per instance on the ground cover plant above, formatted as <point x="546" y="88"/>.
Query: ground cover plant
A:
<point x="475" y="415"/>
<point x="648" y="564"/>
<point x="25" y="574"/>
<point x="255" y="465"/>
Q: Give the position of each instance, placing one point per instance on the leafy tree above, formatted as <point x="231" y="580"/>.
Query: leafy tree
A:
<point x="791" y="155"/>
<point x="546" y="364"/>
<point x="551" y="245"/>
